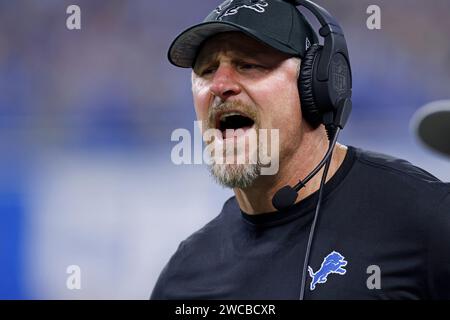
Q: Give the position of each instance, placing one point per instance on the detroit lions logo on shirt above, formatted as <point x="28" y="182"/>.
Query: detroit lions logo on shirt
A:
<point x="333" y="263"/>
<point x="232" y="7"/>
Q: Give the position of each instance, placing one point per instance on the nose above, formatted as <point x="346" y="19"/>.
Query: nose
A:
<point x="224" y="84"/>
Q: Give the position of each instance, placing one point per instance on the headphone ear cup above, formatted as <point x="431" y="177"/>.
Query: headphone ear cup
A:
<point x="310" y="110"/>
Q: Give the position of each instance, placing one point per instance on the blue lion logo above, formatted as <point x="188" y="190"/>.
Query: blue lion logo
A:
<point x="333" y="263"/>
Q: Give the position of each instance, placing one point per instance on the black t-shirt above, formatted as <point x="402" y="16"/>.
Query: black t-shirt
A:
<point x="383" y="233"/>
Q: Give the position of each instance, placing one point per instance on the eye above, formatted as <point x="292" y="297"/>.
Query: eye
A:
<point x="207" y="71"/>
<point x="250" y="66"/>
<point x="247" y="66"/>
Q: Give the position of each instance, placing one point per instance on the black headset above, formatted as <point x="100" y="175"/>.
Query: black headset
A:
<point x="325" y="87"/>
<point x="325" y="81"/>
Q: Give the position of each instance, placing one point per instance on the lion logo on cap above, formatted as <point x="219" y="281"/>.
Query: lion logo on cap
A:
<point x="232" y="7"/>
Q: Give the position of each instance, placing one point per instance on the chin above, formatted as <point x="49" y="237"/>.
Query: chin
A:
<point x="240" y="176"/>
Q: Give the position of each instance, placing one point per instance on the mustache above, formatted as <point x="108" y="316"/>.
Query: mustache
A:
<point x="248" y="110"/>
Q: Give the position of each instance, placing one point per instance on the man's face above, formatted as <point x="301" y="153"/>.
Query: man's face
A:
<point x="240" y="83"/>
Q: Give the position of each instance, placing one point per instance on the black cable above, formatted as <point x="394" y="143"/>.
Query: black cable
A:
<point x="316" y="216"/>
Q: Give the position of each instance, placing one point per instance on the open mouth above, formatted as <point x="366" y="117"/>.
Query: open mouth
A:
<point x="229" y="123"/>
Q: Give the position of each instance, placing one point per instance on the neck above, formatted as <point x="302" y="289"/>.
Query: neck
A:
<point x="258" y="198"/>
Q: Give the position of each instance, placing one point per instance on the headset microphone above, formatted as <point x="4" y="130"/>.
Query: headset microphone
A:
<point x="325" y="84"/>
<point x="286" y="196"/>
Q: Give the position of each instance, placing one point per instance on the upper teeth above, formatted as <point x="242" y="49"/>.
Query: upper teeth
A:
<point x="222" y="117"/>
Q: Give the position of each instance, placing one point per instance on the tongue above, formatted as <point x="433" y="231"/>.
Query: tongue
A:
<point x="230" y="133"/>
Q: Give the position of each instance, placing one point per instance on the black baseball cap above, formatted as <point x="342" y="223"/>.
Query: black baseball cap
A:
<point x="276" y="23"/>
<point x="432" y="125"/>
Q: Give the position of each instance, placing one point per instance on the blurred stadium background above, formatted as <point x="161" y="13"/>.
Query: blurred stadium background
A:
<point x="86" y="117"/>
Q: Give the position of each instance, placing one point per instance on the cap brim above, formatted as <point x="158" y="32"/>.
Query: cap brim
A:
<point x="184" y="48"/>
<point x="432" y="126"/>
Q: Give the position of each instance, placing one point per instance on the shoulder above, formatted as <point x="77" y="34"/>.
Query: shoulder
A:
<point x="412" y="203"/>
<point x="213" y="230"/>
<point x="207" y="237"/>
<point x="194" y="253"/>
<point x="397" y="173"/>
<point x="398" y="189"/>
